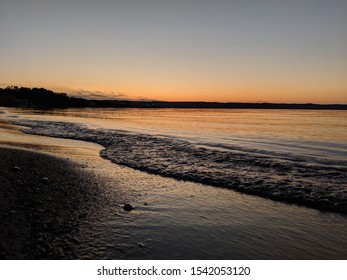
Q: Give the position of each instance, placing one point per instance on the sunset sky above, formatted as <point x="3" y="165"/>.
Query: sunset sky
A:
<point x="196" y="50"/>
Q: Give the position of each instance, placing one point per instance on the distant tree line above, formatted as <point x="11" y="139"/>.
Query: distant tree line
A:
<point x="14" y="96"/>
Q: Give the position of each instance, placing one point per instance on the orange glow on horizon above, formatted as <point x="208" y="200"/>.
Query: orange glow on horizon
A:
<point x="236" y="51"/>
<point x="271" y="95"/>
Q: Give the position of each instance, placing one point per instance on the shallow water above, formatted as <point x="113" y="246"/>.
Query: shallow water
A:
<point x="284" y="155"/>
<point x="313" y="134"/>
<point x="185" y="220"/>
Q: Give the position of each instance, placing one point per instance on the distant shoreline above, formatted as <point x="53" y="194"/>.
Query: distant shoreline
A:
<point x="42" y="98"/>
<point x="216" y="105"/>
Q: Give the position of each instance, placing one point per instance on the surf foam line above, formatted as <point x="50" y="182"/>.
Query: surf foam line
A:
<point x="305" y="183"/>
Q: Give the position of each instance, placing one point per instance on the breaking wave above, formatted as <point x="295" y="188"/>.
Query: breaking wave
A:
<point x="320" y="184"/>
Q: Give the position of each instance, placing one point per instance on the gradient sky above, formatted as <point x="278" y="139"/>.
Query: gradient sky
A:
<point x="221" y="50"/>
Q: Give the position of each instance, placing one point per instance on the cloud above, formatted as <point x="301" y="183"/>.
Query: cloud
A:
<point x="87" y="94"/>
<point x="102" y="95"/>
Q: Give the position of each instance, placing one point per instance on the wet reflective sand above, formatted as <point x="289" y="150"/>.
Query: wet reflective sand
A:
<point x="183" y="220"/>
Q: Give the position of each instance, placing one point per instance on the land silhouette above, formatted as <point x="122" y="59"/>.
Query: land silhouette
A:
<point x="13" y="96"/>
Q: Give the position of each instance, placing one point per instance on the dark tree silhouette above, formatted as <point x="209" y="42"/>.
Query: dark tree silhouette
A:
<point x="14" y="96"/>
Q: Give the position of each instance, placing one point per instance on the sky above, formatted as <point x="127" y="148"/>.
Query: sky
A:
<point x="179" y="50"/>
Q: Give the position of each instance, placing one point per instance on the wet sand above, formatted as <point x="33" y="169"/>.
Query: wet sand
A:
<point x="45" y="202"/>
<point x="78" y="214"/>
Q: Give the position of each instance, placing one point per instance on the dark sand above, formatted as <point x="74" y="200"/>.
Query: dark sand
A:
<point x="45" y="203"/>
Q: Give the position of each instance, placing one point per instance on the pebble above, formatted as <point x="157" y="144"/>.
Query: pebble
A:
<point x="16" y="168"/>
<point x="44" y="180"/>
<point x="128" y="207"/>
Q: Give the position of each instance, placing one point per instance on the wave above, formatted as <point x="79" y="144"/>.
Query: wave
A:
<point x="303" y="151"/>
<point x="278" y="176"/>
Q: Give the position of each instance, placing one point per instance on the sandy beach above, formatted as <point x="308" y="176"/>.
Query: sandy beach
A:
<point x="61" y="200"/>
<point x="45" y="202"/>
<point x="46" y="197"/>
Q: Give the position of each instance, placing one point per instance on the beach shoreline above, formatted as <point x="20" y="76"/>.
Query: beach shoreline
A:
<point x="46" y="200"/>
<point x="298" y="181"/>
<point x="77" y="212"/>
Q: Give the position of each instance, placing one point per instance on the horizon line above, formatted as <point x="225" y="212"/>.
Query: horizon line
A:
<point x="103" y="97"/>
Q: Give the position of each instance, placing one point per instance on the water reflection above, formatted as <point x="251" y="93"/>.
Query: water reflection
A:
<point x="185" y="220"/>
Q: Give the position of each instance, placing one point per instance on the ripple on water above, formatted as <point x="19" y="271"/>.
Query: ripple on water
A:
<point x="305" y="182"/>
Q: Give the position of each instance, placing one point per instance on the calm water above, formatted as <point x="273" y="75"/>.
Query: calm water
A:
<point x="306" y="133"/>
<point x="284" y="155"/>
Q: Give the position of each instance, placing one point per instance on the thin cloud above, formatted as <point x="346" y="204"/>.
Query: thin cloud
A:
<point x="87" y="94"/>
